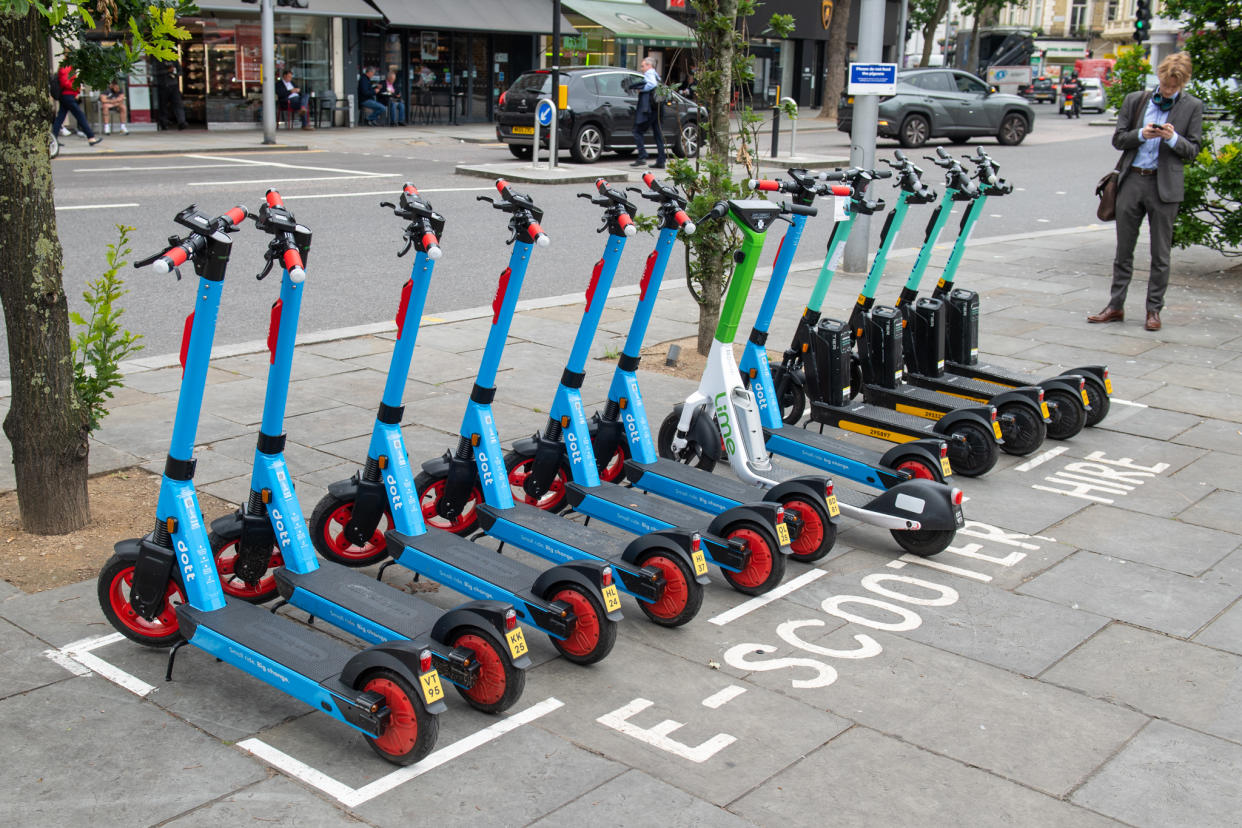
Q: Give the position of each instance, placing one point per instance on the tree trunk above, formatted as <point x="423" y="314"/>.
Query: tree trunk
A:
<point x="834" y="69"/>
<point x="973" y="61"/>
<point x="709" y="310"/>
<point x="929" y="31"/>
<point x="45" y="424"/>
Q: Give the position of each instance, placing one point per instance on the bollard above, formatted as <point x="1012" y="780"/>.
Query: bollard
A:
<point x="534" y="150"/>
<point x="793" y="128"/>
<point x="776" y="130"/>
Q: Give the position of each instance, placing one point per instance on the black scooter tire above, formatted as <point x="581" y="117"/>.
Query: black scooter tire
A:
<point x="112" y="588"/>
<point x="790" y="395"/>
<point x="1069" y="416"/>
<point x="692" y="455"/>
<point x="397" y="744"/>
<point x="594" y="633"/>
<point x="1097" y="395"/>
<point x="500" y="684"/>
<point x="978" y="454"/>
<point x="555" y="500"/>
<point x="924" y="542"/>
<point x="1028" y="431"/>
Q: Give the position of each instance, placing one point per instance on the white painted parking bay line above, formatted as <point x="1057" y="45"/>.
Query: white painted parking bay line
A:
<point x="80" y="652"/>
<point x="288" y="180"/>
<point x="390" y="192"/>
<point x="767" y="598"/>
<point x="97" y="206"/>
<point x="164" y="167"/>
<point x="1127" y="402"/>
<point x="1041" y="458"/>
<point x="717" y="700"/>
<point x="943" y="567"/>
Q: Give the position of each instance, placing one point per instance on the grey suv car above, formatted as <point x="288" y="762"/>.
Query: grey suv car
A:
<point x="949" y="103"/>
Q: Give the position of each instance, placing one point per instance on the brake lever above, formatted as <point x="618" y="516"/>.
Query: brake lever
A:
<point x="267" y="257"/>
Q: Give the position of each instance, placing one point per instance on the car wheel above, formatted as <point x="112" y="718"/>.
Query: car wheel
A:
<point x="688" y="140"/>
<point x="959" y="139"/>
<point x="1012" y="130"/>
<point x="588" y="144"/>
<point x="520" y="151"/>
<point x="914" y="131"/>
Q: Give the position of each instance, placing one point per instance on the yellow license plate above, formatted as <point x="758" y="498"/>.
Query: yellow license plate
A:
<point x="523" y="130"/>
<point x="834" y="508"/>
<point x="782" y="533"/>
<point x="1043" y="408"/>
<point x="1108" y="385"/>
<point x="517" y="642"/>
<point x="433" y="690"/>
<point x="1085" y="399"/>
<point x="945" y="467"/>
<point x="700" y="563"/>
<point x="612" y="601"/>
<point x="996" y="429"/>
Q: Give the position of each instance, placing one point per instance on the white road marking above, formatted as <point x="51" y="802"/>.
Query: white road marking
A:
<point x="80" y="652"/>
<point x="930" y="564"/>
<point x="1127" y="402"/>
<point x="1041" y="458"/>
<point x="767" y="598"/>
<point x="265" y="163"/>
<point x="658" y="736"/>
<point x="1043" y="221"/>
<point x="723" y="697"/>
<point x="390" y="192"/>
<point x="288" y="180"/>
<point x="165" y="167"/>
<point x="97" y="206"/>
<point x="297" y="769"/>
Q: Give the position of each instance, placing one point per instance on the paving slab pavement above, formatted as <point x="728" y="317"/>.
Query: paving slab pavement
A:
<point x="1072" y="658"/>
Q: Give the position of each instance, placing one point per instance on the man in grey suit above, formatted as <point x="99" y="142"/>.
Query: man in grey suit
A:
<point x="1158" y="134"/>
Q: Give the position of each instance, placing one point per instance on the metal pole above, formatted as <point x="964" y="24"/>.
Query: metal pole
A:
<point x="268" y="34"/>
<point x="862" y="131"/>
<point x="534" y="151"/>
<point x="556" y="78"/>
<point x="776" y="131"/>
<point x="903" y="16"/>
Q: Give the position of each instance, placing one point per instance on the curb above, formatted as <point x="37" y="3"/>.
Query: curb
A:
<point x="523" y="173"/>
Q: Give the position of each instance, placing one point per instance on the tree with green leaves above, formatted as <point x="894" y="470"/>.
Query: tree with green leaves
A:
<point x="1211" y="214"/>
<point x="48" y="421"/>
<point x="926" y="16"/>
<point x="1129" y="74"/>
<point x="724" y="67"/>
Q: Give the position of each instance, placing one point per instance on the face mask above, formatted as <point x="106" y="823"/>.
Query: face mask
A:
<point x="1164" y="103"/>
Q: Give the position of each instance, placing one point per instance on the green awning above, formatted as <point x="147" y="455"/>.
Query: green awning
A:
<point x="632" y="22"/>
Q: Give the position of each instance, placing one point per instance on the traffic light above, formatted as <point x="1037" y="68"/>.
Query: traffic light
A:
<point x="1142" y="20"/>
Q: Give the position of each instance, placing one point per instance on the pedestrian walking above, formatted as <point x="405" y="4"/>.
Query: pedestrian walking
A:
<point x="289" y="97"/>
<point x="168" y="84"/>
<point x="1158" y="133"/>
<point x="114" y="98"/>
<point x="67" y="80"/>
<point x="371" y="108"/>
<point x="648" y="114"/>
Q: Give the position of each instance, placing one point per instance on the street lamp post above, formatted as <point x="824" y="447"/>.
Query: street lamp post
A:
<point x="863" y="128"/>
<point x="268" y="35"/>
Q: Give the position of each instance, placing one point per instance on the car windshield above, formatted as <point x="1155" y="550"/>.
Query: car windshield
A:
<point x="1093" y="83"/>
<point x="533" y="82"/>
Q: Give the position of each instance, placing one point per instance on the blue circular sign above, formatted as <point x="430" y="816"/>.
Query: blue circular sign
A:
<point x="543" y="112"/>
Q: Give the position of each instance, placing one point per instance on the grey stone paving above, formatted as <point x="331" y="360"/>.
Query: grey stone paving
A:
<point x="1072" y="659"/>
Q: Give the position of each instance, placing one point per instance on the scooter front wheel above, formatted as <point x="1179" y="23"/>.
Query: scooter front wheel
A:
<point x="692" y="455"/>
<point x="594" y="633"/>
<point x="430" y="489"/>
<point x="327" y="529"/>
<point x="789" y="394"/>
<point x="520" y="467"/>
<point x="972" y="449"/>
<point x="1023" y="428"/>
<point x="1097" y="397"/>
<point x="766" y="567"/>
<point x="411" y="731"/>
<point x="819" y="533"/>
<point x="499" y="684"/>
<point x="612" y="470"/>
<point x="225" y="553"/>
<point x="924" y="542"/>
<point x="1069" y="416"/>
<point x="116" y="579"/>
<point x="682" y="595"/>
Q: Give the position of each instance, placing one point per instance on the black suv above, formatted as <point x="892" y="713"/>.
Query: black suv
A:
<point x="1041" y="90"/>
<point x="599" y="117"/>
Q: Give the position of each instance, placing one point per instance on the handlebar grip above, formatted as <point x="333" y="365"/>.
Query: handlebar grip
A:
<point x="765" y="185"/>
<point x="941" y="152"/>
<point x="841" y="190"/>
<point x="882" y="173"/>
<point x="626" y="223"/>
<point x="601" y="186"/>
<point x="409" y="189"/>
<point x="236" y="215"/>
<point x="536" y="233"/>
<point x="835" y="175"/>
<point x="804" y="210"/>
<point x="687" y="226"/>
<point x="502" y="187"/>
<point x="649" y="180"/>
<point x="433" y="246"/>
<point x="174" y="257"/>
<point x="274" y="199"/>
<point x="293" y="263"/>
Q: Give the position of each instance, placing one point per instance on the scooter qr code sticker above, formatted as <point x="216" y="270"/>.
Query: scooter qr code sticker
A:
<point x="700" y="563"/>
<point x="612" y="601"/>
<point x="517" y="642"/>
<point x="433" y="690"/>
<point x="841" y="208"/>
<point x="782" y="533"/>
<point x="838" y="253"/>
<point x="945" y="467"/>
<point x="834" y="509"/>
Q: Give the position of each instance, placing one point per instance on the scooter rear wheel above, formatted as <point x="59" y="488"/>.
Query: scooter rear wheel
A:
<point x="1027" y="430"/>
<point x="682" y="595"/>
<point x="327" y="530"/>
<point x="411" y="731"/>
<point x="1068" y="414"/>
<point x="766" y="567"/>
<point x="819" y="533"/>
<point x="224" y="551"/>
<point x="976" y="452"/>
<point x="113" y="587"/>
<point x="594" y="633"/>
<point x="919" y="469"/>
<point x="924" y="542"/>
<point x="499" y="684"/>
<point x="430" y="489"/>
<point x="1098" y="397"/>
<point x="520" y="466"/>
<point x="692" y="455"/>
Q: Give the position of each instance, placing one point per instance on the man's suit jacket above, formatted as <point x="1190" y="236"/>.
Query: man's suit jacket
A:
<point x="1186" y="116"/>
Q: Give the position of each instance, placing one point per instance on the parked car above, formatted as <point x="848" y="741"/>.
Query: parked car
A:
<point x="1093" y="94"/>
<point x="599" y="116"/>
<point x="935" y="103"/>
<point x="1041" y="90"/>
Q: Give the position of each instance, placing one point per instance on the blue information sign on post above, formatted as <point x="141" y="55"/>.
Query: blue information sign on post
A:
<point x="543" y="111"/>
<point x="872" y="79"/>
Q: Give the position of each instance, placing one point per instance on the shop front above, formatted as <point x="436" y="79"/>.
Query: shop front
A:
<point x="622" y="33"/>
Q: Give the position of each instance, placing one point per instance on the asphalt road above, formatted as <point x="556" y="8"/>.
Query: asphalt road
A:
<point x="354" y="275"/>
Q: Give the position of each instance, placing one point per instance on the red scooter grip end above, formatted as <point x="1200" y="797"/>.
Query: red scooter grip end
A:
<point x="501" y="185"/>
<point x="767" y="185"/>
<point x="601" y="184"/>
<point x="409" y="189"/>
<point x="626" y="224"/>
<point x="649" y="179"/>
<point x="274" y="199"/>
<point x="841" y="190"/>
<point x="534" y="230"/>
<point x="430" y="240"/>
<point x="236" y="215"/>
<point x="681" y="217"/>
<point x="292" y="259"/>
<point x="174" y="257"/>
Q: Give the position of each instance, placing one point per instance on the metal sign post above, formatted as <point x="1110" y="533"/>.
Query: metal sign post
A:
<point x="545" y="116"/>
<point x="793" y="127"/>
<point x="267" y="28"/>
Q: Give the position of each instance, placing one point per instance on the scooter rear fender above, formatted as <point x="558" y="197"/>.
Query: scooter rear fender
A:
<point x="925" y="501"/>
<point x="1027" y="395"/>
<point x="927" y="449"/>
<point x="401" y="657"/>
<point x="981" y="415"/>
<point x="486" y="615"/>
<point x="811" y="487"/>
<point x="586" y="575"/>
<point x="673" y="542"/>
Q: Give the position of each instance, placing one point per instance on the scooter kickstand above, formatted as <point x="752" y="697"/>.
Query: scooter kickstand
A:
<point x="172" y="655"/>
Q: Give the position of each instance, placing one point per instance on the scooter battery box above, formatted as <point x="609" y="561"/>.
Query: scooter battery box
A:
<point x="881" y="347"/>
<point x="962" y="318"/>
<point x="924" y="338"/>
<point x="831" y="344"/>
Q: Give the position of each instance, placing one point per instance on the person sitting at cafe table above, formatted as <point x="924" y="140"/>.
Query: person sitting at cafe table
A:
<point x="390" y="94"/>
<point x="289" y="97"/>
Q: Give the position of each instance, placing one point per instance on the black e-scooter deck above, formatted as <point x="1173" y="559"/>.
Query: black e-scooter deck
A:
<point x="406" y="615"/>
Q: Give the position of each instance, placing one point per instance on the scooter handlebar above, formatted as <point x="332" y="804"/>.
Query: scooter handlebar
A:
<point x="236" y="215"/>
<point x="801" y="209"/>
<point x="174" y="257"/>
<point x="840" y="190"/>
<point x="687" y="226"/>
<point x="292" y="260"/>
<point x="719" y="210"/>
<point x="536" y="233"/>
<point x="766" y="185"/>
<point x="432" y="245"/>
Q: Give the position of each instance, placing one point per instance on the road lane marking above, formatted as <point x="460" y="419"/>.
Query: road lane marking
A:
<point x="257" y="163"/>
<point x="288" y="180"/>
<point x="164" y="167"/>
<point x="942" y="567"/>
<point x="1041" y="458"/>
<point x="767" y="598"/>
<point x="1127" y="402"/>
<point x="723" y="697"/>
<point x="390" y="192"/>
<point x="96" y="206"/>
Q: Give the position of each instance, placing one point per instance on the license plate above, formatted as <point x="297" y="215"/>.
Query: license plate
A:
<point x="996" y="429"/>
<point x="834" y="508"/>
<point x="1108" y="385"/>
<point x="945" y="467"/>
<point x="612" y="601"/>
<point x="700" y="563"/>
<point x="782" y="533"/>
<point x="1043" y="407"/>
<point x="517" y="642"/>
<point x="1085" y="399"/>
<point x="433" y="690"/>
<point x="523" y="130"/>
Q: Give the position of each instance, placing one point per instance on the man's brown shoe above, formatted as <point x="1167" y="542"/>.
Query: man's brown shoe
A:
<point x="1153" y="321"/>
<point x="1108" y="315"/>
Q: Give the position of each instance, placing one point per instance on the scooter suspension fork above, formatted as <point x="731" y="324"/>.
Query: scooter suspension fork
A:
<point x="548" y="454"/>
<point x="368" y="505"/>
<point x="152" y="572"/>
<point x="461" y="477"/>
<point x="254" y="547"/>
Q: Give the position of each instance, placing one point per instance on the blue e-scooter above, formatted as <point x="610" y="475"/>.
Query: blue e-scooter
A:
<point x="163" y="590"/>
<point x="375" y="514"/>
<point x="465" y="642"/>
